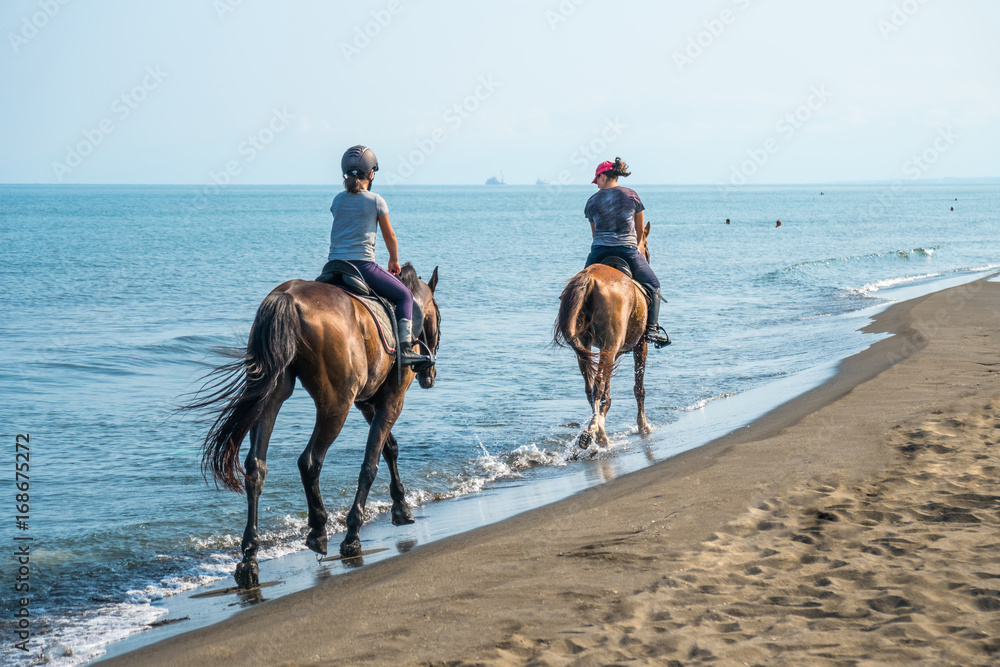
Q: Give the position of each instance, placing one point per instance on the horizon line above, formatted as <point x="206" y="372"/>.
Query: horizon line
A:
<point x="502" y="185"/>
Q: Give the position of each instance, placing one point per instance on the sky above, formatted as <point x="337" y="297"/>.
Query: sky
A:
<point x="449" y="92"/>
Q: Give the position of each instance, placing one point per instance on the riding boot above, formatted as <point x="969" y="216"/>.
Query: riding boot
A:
<point x="408" y="357"/>
<point x="655" y="334"/>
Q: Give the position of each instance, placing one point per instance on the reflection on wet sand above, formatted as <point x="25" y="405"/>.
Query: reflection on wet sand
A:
<point x="606" y="469"/>
<point x="404" y="544"/>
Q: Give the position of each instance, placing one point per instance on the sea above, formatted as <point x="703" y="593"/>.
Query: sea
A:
<point x="114" y="298"/>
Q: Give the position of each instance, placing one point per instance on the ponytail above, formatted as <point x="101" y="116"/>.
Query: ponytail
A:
<point x="620" y="169"/>
<point x="354" y="182"/>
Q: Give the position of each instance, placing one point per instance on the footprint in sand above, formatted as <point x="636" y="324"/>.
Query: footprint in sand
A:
<point x="904" y="570"/>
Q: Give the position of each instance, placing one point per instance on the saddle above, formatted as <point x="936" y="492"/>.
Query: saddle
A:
<point x="343" y="274"/>
<point x="618" y="263"/>
<point x="621" y="265"/>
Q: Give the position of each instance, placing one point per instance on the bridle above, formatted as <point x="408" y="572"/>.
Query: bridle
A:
<point x="437" y="325"/>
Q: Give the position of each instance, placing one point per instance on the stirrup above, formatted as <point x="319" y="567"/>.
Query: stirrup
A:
<point x="421" y="364"/>
<point x="416" y="361"/>
<point x="657" y="335"/>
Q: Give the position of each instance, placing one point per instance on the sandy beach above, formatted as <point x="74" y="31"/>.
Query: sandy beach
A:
<point x="855" y="525"/>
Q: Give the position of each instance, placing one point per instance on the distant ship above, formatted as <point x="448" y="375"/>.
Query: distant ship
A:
<point x="541" y="181"/>
<point x="493" y="180"/>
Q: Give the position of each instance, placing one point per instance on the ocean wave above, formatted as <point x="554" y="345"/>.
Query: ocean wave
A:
<point x="978" y="269"/>
<point x="869" y="288"/>
<point x="78" y="639"/>
<point x="68" y="643"/>
<point x="188" y="347"/>
<point x="488" y="468"/>
<point x="705" y="401"/>
<point x="905" y="254"/>
<point x="214" y="557"/>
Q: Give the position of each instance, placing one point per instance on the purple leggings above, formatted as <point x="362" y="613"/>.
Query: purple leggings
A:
<point x="388" y="286"/>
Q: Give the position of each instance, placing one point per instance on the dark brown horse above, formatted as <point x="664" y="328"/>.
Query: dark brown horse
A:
<point x="603" y="308"/>
<point x="316" y="333"/>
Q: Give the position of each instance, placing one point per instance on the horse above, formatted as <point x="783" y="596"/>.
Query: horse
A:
<point x="318" y="334"/>
<point x="603" y="307"/>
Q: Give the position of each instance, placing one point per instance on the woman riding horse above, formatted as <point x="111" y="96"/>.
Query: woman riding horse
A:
<point x="616" y="218"/>
<point x="322" y="337"/>
<point x="357" y="214"/>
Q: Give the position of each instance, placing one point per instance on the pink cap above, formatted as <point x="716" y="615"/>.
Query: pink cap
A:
<point x="607" y="165"/>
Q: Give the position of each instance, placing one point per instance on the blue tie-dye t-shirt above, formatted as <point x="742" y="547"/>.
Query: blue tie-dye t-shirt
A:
<point x="613" y="213"/>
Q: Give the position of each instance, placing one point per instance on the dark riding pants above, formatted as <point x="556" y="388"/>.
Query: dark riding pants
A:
<point x="389" y="286"/>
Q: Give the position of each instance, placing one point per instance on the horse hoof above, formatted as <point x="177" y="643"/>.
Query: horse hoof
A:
<point x="247" y="575"/>
<point x="317" y="542"/>
<point x="401" y="515"/>
<point x="350" y="549"/>
<point x="584" y="440"/>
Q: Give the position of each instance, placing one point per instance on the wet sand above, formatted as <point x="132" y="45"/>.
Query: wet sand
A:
<point x="855" y="525"/>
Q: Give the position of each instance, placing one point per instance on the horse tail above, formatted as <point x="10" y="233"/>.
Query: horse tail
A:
<point x="244" y="386"/>
<point x="572" y="319"/>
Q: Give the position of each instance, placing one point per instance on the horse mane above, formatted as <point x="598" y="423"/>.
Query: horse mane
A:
<point x="408" y="276"/>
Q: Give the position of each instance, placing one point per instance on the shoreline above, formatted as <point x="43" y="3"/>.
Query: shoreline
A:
<point x="581" y="551"/>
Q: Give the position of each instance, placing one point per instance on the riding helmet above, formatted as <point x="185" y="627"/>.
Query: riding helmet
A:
<point x="358" y="160"/>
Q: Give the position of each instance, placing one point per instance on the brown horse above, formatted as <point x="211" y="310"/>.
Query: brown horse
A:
<point x="603" y="308"/>
<point x="316" y="333"/>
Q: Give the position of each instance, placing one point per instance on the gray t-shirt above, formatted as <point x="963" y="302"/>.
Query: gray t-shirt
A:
<point x="355" y="222"/>
<point x="612" y="211"/>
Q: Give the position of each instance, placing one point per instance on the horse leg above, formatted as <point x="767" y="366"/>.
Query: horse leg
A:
<point x="587" y="372"/>
<point x="390" y="451"/>
<point x="400" y="510"/>
<point x="602" y="394"/>
<point x="255" y="467"/>
<point x="606" y="370"/>
<point x="329" y="422"/>
<point x="639" y="353"/>
<point x="383" y="417"/>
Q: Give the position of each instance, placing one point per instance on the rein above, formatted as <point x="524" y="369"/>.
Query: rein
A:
<point x="423" y="333"/>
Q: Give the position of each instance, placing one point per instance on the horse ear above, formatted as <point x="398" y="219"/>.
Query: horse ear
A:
<point x="645" y="233"/>
<point x="432" y="283"/>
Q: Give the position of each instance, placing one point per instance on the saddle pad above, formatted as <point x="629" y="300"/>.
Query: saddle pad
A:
<point x="384" y="320"/>
<point x="643" y="291"/>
